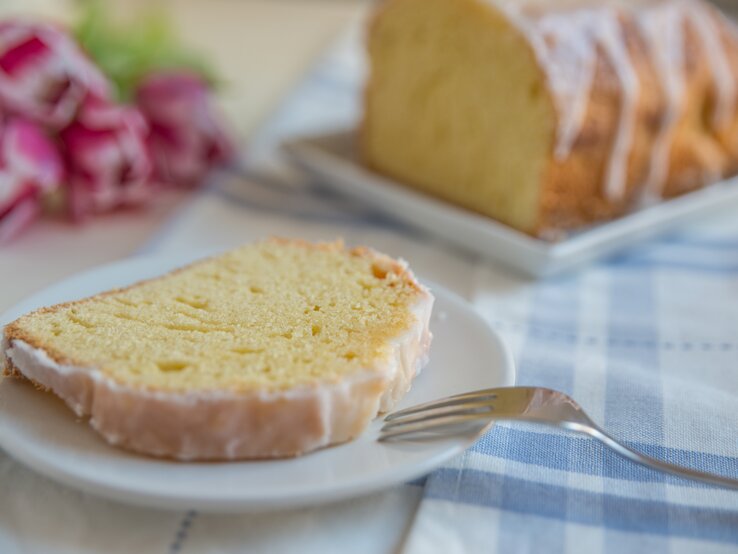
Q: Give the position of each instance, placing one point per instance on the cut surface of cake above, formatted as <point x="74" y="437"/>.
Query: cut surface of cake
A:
<point x="551" y="115"/>
<point x="271" y="350"/>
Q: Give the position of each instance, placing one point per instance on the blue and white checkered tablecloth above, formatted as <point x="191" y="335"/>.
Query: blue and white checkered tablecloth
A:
<point x="646" y="341"/>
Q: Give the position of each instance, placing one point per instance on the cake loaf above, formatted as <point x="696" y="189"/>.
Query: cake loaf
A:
<point x="551" y="115"/>
<point x="271" y="350"/>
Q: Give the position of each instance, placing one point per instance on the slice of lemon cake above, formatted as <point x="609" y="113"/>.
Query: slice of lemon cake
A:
<point x="271" y="350"/>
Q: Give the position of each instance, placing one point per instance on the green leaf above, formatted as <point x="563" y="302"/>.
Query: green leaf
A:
<point x="127" y="52"/>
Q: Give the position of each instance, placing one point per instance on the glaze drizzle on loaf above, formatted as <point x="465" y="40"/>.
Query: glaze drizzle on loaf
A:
<point x="568" y="41"/>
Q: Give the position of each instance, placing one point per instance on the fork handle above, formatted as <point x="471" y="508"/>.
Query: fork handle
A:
<point x="653" y="463"/>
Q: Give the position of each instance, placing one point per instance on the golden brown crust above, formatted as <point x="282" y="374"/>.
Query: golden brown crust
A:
<point x="9" y="370"/>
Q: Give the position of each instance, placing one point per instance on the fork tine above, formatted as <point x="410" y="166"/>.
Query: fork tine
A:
<point x="481" y="407"/>
<point x="455" y="400"/>
<point x="429" y="426"/>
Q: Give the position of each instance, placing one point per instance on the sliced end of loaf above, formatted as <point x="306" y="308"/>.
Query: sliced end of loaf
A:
<point x="457" y="106"/>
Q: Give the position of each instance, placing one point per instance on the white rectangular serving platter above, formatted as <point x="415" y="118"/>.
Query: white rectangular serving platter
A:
<point x="331" y="158"/>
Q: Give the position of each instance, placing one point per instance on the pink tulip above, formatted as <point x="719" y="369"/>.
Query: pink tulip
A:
<point x="19" y="216"/>
<point x="185" y="140"/>
<point x="107" y="158"/>
<point x="30" y="166"/>
<point x="44" y="75"/>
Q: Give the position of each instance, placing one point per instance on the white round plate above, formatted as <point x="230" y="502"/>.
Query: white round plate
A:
<point x="40" y="431"/>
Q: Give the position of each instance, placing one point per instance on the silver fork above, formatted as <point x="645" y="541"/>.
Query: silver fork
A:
<point x="531" y="404"/>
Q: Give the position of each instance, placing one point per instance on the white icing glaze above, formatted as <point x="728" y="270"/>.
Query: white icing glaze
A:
<point x="406" y="363"/>
<point x="611" y="40"/>
<point x="663" y="29"/>
<point x="567" y="45"/>
<point x="705" y="23"/>
<point x="568" y="62"/>
<point x="566" y="38"/>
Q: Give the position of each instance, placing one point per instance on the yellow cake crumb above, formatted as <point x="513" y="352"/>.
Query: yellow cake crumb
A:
<point x="268" y="316"/>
